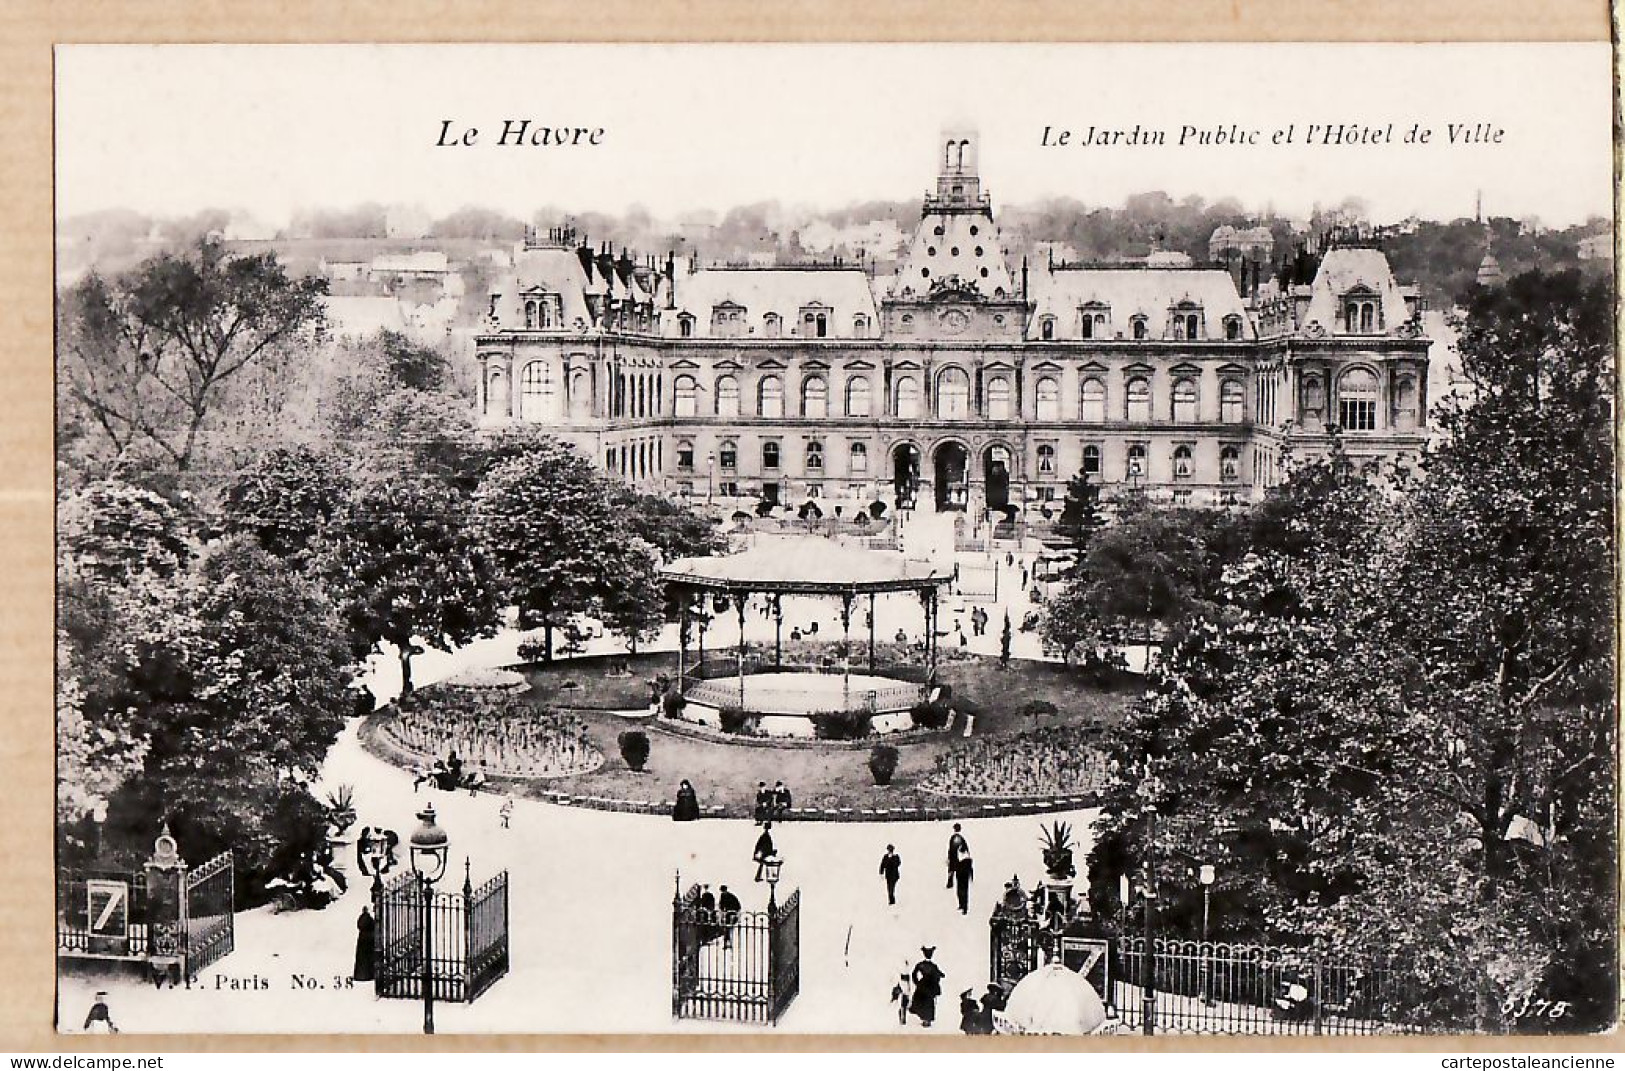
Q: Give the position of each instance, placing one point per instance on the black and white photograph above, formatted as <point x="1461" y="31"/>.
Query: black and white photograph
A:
<point x="918" y="540"/>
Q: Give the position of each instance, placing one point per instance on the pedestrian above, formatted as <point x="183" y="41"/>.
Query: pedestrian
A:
<point x="901" y="993"/>
<point x="764" y="802"/>
<point x="1023" y="576"/>
<point x="781" y="801"/>
<point x="891" y="868"/>
<point x="992" y="1001"/>
<point x="963" y="872"/>
<point x="363" y="849"/>
<point x="795" y="632"/>
<point x="365" y="927"/>
<point x="1009" y="557"/>
<point x="99" y="1020"/>
<point x="764" y="848"/>
<point x="729" y="906"/>
<point x="901" y="638"/>
<point x="970" y="1014"/>
<point x="506" y="811"/>
<point x="687" y="807"/>
<point x="709" y="931"/>
<point x="927" y="979"/>
<point x="476" y="779"/>
<point x="957" y="846"/>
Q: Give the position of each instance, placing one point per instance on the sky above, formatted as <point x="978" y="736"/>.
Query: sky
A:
<point x="169" y="130"/>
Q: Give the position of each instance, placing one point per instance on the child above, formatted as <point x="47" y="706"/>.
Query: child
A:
<point x="901" y="994"/>
<point x="506" y="811"/>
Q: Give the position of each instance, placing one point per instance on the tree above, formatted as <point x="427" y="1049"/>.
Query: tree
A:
<point x="406" y="563"/>
<point x="114" y="530"/>
<point x="1004" y="642"/>
<point x="286" y="500"/>
<point x="1081" y="516"/>
<point x="546" y="519"/>
<point x="669" y="526"/>
<point x="633" y="606"/>
<point x="149" y="354"/>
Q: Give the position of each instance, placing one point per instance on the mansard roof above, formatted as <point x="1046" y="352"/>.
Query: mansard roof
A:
<point x="556" y="271"/>
<point x="844" y="292"/>
<point x="1132" y="292"/>
<point x="955" y="253"/>
<point x="1343" y="270"/>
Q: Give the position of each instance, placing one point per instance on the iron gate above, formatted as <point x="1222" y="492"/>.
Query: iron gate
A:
<point x="745" y="969"/>
<point x="211" y="931"/>
<point x="468" y="934"/>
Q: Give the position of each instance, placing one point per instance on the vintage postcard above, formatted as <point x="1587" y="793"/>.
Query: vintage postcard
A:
<point x="912" y="540"/>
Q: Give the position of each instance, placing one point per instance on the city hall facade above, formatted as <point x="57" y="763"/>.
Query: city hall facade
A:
<point x="960" y="381"/>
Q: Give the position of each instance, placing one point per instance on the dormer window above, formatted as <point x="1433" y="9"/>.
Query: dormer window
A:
<point x="727" y="320"/>
<point x="1096" y="321"/>
<point x="860" y="325"/>
<point x="542" y="312"/>
<point x="1187" y="322"/>
<point x="685" y="325"/>
<point x="815" y="322"/>
<point x="906" y="325"/>
<point x="1232" y="328"/>
<point x="772" y="325"/>
<point x="1046" y="329"/>
<point x="1140" y="329"/>
<point x="1362" y="313"/>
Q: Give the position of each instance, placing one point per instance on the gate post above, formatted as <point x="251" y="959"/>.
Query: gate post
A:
<point x="166" y="907"/>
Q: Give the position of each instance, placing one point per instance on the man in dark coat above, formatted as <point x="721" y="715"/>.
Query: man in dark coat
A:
<point x="928" y="979"/>
<point x="963" y="872"/>
<point x="364" y="927"/>
<point x="708" y="916"/>
<point x="956" y="847"/>
<point x="781" y="800"/>
<point x="891" y="868"/>
<point x="728" y="906"/>
<point x="764" y="802"/>
<point x="970" y="1014"/>
<point x="764" y="848"/>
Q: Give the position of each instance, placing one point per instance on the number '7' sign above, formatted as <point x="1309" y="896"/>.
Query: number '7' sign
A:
<point x="107" y="907"/>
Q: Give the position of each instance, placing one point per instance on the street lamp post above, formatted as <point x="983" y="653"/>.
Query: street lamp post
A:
<point x="771" y="867"/>
<point x="430" y="848"/>
<point x="1206" y="876"/>
<point x="710" y="472"/>
<point x="1148" y="972"/>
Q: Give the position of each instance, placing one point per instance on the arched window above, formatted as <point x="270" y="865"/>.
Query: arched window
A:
<point x="1094" y="401"/>
<point x="1193" y="325"/>
<point x="1139" y="400"/>
<point x="728" y="455"/>
<point x="1136" y="461"/>
<point x="814" y="397"/>
<point x="1048" y="394"/>
<point x="815" y="456"/>
<point x="857" y="396"/>
<point x="860" y="325"/>
<point x="533" y="314"/>
<point x="908" y="398"/>
<point x="685" y="326"/>
<point x="998" y="398"/>
<point x="771" y="325"/>
<point x="727" y="396"/>
<point x="496" y="393"/>
<point x="580" y="395"/>
<point x="1088" y="326"/>
<point x="822" y="326"/>
<point x="859" y="463"/>
<point x="1139" y="325"/>
<point x="685" y="456"/>
<point x="770" y="455"/>
<point x="770" y="397"/>
<point x="1357" y="400"/>
<point x="1046" y="460"/>
<point x="1046" y="329"/>
<point x="536" y="393"/>
<point x="1368" y="318"/>
<point x="953" y="394"/>
<point x="1230" y="463"/>
<point x="905" y="326"/>
<point x="1232" y="399"/>
<point x="1232" y="328"/>
<point x="683" y="392"/>
<point x="1184" y="401"/>
<point x="1091" y="460"/>
<point x="1182" y="462"/>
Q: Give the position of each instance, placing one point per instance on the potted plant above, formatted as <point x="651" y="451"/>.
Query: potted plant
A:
<point x="341" y="815"/>
<point x="1057" y="841"/>
<point x="882" y="763"/>
<point x="634" y="749"/>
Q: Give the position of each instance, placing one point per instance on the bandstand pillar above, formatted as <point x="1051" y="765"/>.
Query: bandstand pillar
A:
<point x="846" y="650"/>
<point x="871" y="632"/>
<point x="739" y="604"/>
<point x="778" y="631"/>
<point x="682" y="638"/>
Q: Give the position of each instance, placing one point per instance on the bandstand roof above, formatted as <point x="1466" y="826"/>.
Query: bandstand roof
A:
<point x="805" y="565"/>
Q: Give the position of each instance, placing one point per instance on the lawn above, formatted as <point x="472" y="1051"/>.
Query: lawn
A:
<point x="725" y="773"/>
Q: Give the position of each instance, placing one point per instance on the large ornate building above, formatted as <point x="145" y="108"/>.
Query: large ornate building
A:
<point x="962" y="380"/>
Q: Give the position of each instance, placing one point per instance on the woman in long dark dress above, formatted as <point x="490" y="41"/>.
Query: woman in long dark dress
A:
<point x="928" y="979"/>
<point x="687" y="808"/>
<point x="364" y="927"/>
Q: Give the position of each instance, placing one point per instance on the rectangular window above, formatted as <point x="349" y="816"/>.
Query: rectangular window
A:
<point x="1358" y="414"/>
<point x="1046" y="494"/>
<point x="1182" y="498"/>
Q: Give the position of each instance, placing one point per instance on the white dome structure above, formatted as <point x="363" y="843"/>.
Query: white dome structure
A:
<point x="1052" y="1000"/>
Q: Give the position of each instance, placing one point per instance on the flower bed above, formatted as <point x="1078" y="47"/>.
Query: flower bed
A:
<point x="1046" y="762"/>
<point x="496" y="729"/>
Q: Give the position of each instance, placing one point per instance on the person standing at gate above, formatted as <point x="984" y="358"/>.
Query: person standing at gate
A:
<point x="365" y="936"/>
<point x="764" y="848"/>
<point x="927" y="978"/>
<point x="729" y="907"/>
<point x="957" y="846"/>
<point x="891" y="868"/>
<point x="963" y="872"/>
<point x="708" y="916"/>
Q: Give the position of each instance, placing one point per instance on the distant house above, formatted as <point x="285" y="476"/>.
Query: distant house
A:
<point x="354" y="318"/>
<point x="1254" y="243"/>
<point x="1597" y="247"/>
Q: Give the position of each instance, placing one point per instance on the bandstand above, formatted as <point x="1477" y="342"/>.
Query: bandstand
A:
<point x="789" y="693"/>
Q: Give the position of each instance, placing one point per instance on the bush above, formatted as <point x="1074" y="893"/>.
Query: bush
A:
<point x="634" y="748"/>
<point x="1037" y="708"/>
<point x="532" y="650"/>
<point x="877" y="509"/>
<point x="883" y="763"/>
<point x="928" y="715"/>
<point x="673" y="704"/>
<point x="735" y="720"/>
<point x="842" y="725"/>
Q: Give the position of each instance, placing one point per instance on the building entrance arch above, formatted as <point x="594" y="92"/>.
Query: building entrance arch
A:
<point x="996" y="465"/>
<point x="905" y="463"/>
<point x="950" y="469"/>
